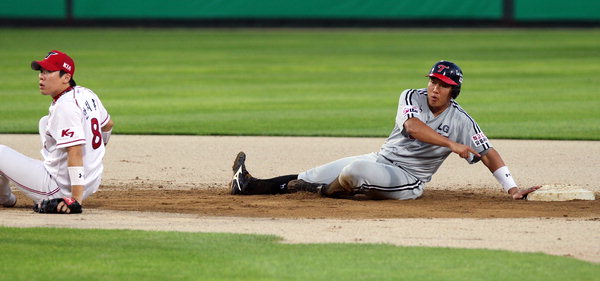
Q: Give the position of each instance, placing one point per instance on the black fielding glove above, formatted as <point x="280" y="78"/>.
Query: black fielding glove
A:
<point x="50" y="206"/>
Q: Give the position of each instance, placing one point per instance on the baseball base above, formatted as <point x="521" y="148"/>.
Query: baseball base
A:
<point x="553" y="192"/>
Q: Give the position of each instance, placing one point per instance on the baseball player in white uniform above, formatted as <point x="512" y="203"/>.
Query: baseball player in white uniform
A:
<point x="73" y="135"/>
<point x="430" y="125"/>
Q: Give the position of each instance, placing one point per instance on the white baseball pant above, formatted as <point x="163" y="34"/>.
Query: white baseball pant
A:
<point x="29" y="175"/>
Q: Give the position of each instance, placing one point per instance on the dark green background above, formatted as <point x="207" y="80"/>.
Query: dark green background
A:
<point x="524" y="10"/>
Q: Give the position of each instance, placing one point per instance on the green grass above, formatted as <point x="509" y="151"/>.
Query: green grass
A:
<point x="48" y="253"/>
<point x="529" y="83"/>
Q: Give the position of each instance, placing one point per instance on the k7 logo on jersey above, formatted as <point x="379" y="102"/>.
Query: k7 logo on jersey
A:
<point x="479" y="139"/>
<point x="67" y="133"/>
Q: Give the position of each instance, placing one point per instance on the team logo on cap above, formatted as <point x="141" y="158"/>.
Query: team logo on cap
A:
<point x="51" y="54"/>
<point x="66" y="66"/>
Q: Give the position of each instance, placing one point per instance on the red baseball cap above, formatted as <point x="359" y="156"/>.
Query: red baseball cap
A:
<point x="55" y="61"/>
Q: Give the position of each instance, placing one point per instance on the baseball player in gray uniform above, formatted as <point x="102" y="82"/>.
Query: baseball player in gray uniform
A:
<point x="430" y="125"/>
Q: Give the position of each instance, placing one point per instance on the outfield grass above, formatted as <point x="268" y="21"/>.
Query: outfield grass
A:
<point x="75" y="254"/>
<point x="528" y="83"/>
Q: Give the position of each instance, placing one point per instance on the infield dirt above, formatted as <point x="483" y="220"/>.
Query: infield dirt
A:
<point x="181" y="181"/>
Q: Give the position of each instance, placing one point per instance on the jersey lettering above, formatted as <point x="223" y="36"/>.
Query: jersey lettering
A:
<point x="444" y="128"/>
<point x="410" y="109"/>
<point x="87" y="108"/>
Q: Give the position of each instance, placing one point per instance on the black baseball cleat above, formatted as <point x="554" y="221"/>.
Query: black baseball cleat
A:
<point x="241" y="177"/>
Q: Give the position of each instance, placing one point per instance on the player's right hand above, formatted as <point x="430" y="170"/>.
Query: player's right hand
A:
<point x="463" y="150"/>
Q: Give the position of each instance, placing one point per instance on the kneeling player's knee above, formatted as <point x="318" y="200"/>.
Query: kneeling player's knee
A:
<point x="353" y="174"/>
<point x="356" y="168"/>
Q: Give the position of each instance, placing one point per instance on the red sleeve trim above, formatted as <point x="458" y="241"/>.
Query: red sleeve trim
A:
<point x="70" y="143"/>
<point x="105" y="121"/>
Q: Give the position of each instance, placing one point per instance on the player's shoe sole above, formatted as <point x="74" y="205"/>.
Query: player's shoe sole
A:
<point x="239" y="161"/>
<point x="240" y="174"/>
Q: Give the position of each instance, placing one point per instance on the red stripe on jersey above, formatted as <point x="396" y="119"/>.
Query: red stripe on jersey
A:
<point x="105" y="121"/>
<point x="69" y="142"/>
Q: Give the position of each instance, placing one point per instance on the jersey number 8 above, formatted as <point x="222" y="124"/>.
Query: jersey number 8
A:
<point x="97" y="136"/>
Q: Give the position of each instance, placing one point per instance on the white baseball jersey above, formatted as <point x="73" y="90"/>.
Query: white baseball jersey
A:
<point x="422" y="159"/>
<point x="75" y="118"/>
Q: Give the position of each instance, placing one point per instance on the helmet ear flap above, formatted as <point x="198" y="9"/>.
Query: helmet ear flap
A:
<point x="455" y="91"/>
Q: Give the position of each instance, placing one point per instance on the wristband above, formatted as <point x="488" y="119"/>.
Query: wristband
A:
<point x="504" y="177"/>
<point x="76" y="175"/>
<point x="106" y="136"/>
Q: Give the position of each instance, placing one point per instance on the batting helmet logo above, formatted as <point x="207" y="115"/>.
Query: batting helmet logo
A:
<point x="441" y="67"/>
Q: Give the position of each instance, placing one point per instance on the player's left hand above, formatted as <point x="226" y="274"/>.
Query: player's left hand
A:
<point x="522" y="194"/>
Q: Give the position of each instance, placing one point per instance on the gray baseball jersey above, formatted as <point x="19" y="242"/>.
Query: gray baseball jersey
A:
<point x="422" y="159"/>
